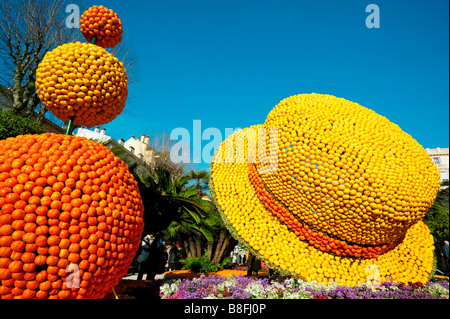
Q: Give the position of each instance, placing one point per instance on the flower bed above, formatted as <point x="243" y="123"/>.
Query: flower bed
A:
<point x="240" y="287"/>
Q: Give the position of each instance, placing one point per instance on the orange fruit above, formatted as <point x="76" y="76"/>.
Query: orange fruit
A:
<point x="104" y="24"/>
<point x="41" y="234"/>
<point x="97" y="70"/>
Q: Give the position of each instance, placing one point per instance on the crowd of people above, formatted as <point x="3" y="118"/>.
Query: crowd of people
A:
<point x="157" y="257"/>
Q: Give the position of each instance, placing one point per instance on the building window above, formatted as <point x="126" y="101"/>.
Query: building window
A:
<point x="444" y="177"/>
<point x="436" y="160"/>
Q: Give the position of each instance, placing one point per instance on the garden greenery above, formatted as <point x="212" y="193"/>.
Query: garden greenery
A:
<point x="12" y="125"/>
<point x="203" y="264"/>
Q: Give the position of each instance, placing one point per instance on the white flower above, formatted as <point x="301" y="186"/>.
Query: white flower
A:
<point x="437" y="289"/>
<point x="230" y="282"/>
<point x="169" y="289"/>
<point x="255" y="289"/>
<point x="272" y="292"/>
<point x="297" y="295"/>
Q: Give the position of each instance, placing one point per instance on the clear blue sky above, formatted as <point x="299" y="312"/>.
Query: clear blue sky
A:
<point x="229" y="62"/>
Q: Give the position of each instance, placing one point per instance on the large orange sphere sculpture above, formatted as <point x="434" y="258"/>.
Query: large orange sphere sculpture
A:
<point x="82" y="81"/>
<point x="71" y="217"/>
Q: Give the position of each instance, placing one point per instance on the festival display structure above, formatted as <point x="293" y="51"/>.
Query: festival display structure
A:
<point x="71" y="212"/>
<point x="82" y="82"/>
<point x="335" y="192"/>
<point x="103" y="24"/>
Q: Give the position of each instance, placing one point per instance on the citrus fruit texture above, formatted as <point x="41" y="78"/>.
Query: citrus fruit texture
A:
<point x="71" y="217"/>
<point x="350" y="191"/>
<point x="84" y="82"/>
<point x="103" y="24"/>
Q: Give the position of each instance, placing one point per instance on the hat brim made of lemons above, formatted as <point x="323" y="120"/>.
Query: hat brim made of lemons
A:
<point x="260" y="231"/>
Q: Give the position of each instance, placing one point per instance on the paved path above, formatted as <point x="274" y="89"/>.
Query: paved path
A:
<point x="134" y="276"/>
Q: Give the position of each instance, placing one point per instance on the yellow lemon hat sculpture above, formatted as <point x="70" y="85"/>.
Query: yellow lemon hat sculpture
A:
<point x="328" y="190"/>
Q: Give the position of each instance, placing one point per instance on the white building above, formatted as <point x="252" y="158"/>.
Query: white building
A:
<point x="97" y="135"/>
<point x="440" y="157"/>
<point x="139" y="147"/>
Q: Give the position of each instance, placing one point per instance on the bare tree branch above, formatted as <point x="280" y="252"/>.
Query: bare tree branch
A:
<point x="162" y="143"/>
<point x="29" y="29"/>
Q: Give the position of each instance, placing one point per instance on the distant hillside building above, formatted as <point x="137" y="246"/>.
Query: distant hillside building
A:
<point x="97" y="135"/>
<point x="440" y="157"/>
<point x="138" y="148"/>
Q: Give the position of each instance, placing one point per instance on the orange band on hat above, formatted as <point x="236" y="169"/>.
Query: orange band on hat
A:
<point x="316" y="238"/>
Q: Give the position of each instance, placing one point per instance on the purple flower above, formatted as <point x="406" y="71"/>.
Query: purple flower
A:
<point x="240" y="287"/>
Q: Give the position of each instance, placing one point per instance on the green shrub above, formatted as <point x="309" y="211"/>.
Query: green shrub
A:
<point x="12" y="125"/>
<point x="203" y="264"/>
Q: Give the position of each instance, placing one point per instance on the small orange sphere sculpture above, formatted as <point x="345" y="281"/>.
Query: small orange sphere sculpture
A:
<point x="71" y="217"/>
<point x="102" y="23"/>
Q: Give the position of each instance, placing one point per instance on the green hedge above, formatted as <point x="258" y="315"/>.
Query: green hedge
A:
<point x="12" y="125"/>
<point x="203" y="264"/>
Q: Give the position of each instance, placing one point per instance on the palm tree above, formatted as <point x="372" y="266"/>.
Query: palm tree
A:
<point x="165" y="197"/>
<point x="201" y="178"/>
<point x="191" y="229"/>
<point x="201" y="229"/>
<point x="222" y="243"/>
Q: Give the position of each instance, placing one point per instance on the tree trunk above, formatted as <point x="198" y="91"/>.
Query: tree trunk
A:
<point x="41" y="112"/>
<point x="192" y="248"/>
<point x="17" y="106"/>
<point x="231" y="244"/>
<point x="198" y="246"/>
<point x="220" y="242"/>
<point x="186" y="248"/>
<point x="222" y="249"/>
<point x="210" y="247"/>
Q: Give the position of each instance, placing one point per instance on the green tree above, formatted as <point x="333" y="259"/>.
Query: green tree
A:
<point x="167" y="199"/>
<point x="191" y="229"/>
<point x="216" y="241"/>
<point x="200" y="178"/>
<point x="437" y="217"/>
<point x="12" y="125"/>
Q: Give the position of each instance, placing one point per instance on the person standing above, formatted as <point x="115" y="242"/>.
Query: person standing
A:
<point x="164" y="256"/>
<point x="168" y="249"/>
<point x="156" y="258"/>
<point x="143" y="257"/>
<point x="234" y="258"/>
<point x="153" y="260"/>
<point x="174" y="257"/>
<point x="254" y="265"/>
<point x="445" y="250"/>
